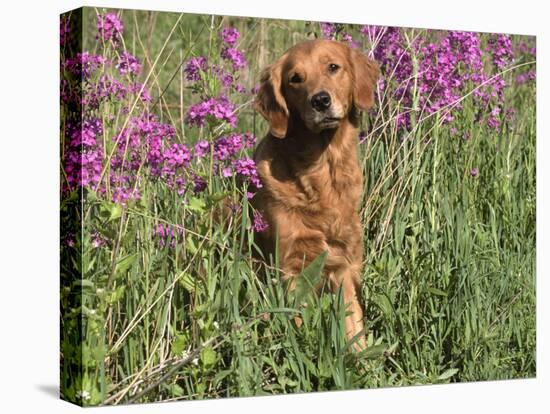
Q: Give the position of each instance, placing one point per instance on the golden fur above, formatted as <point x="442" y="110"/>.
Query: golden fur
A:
<point x="308" y="163"/>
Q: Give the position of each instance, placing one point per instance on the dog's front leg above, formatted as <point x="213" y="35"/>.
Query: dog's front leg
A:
<point x="348" y="279"/>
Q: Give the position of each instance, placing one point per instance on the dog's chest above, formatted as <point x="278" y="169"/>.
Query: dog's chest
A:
<point x="323" y="189"/>
<point x="330" y="197"/>
<point x="332" y="183"/>
<point x="322" y="195"/>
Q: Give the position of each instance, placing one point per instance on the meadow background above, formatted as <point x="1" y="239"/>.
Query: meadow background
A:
<point x="160" y="301"/>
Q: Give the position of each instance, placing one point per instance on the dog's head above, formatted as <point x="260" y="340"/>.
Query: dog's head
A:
<point x="321" y="81"/>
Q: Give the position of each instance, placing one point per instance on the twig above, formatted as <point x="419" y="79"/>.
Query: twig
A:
<point x="177" y="366"/>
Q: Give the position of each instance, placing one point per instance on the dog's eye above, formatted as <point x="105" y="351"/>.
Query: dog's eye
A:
<point x="296" y="78"/>
<point x="333" y="68"/>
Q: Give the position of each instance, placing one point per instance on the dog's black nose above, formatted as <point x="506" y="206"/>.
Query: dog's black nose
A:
<point x="320" y="101"/>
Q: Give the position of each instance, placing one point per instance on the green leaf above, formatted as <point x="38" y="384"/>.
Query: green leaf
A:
<point x="392" y="348"/>
<point x="375" y="351"/>
<point x="208" y="357"/>
<point x="91" y="264"/>
<point x="125" y="263"/>
<point x="190" y="244"/>
<point x="196" y="204"/>
<point x="221" y="375"/>
<point x="200" y="388"/>
<point x="383" y="302"/>
<point x="437" y="292"/>
<point x="116" y="212"/>
<point x="174" y="389"/>
<point x="188" y="282"/>
<point x="87" y="359"/>
<point x="99" y="352"/>
<point x="216" y="197"/>
<point x="309" y="278"/>
<point x="91" y="195"/>
<point x="110" y="211"/>
<point x="448" y="374"/>
<point x="179" y="344"/>
<point x="117" y="294"/>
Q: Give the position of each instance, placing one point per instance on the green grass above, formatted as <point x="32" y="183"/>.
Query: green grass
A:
<point x="449" y="271"/>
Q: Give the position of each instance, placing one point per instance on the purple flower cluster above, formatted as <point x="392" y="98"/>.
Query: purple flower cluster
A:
<point x="194" y="67"/>
<point x="389" y="50"/>
<point x="97" y="239"/>
<point x="146" y="145"/>
<point x="526" y="50"/>
<point x="226" y="151"/>
<point x="228" y="80"/>
<point x="123" y="192"/>
<point x="115" y="155"/>
<point x="500" y="47"/>
<point x="91" y="93"/>
<point x="234" y="56"/>
<point x="68" y="239"/>
<point x="167" y="234"/>
<point x="199" y="183"/>
<point x="490" y="97"/>
<point x="145" y="131"/>
<point x="334" y="31"/>
<point x="346" y="37"/>
<point x="176" y="159"/>
<point x="202" y="149"/>
<point x="137" y="87"/>
<point x="128" y="64"/>
<point x="83" y="156"/>
<point x="442" y="73"/>
<point x="230" y="146"/>
<point x="328" y="30"/>
<point x="527" y="47"/>
<point x="229" y="37"/>
<point x="259" y="224"/>
<point x="494" y="118"/>
<point x="245" y="168"/>
<point x="84" y="64"/>
<point x="105" y="89"/>
<point x="109" y="28"/>
<point x="225" y="78"/>
<point x="449" y="66"/>
<point x="175" y="156"/>
<point x="526" y="77"/>
<point x="220" y="109"/>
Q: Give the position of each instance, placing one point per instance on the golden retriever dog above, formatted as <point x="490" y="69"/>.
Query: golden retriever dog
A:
<point x="308" y="164"/>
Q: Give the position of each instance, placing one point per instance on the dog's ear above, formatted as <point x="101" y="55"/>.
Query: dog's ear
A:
<point x="365" y="76"/>
<point x="270" y="101"/>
